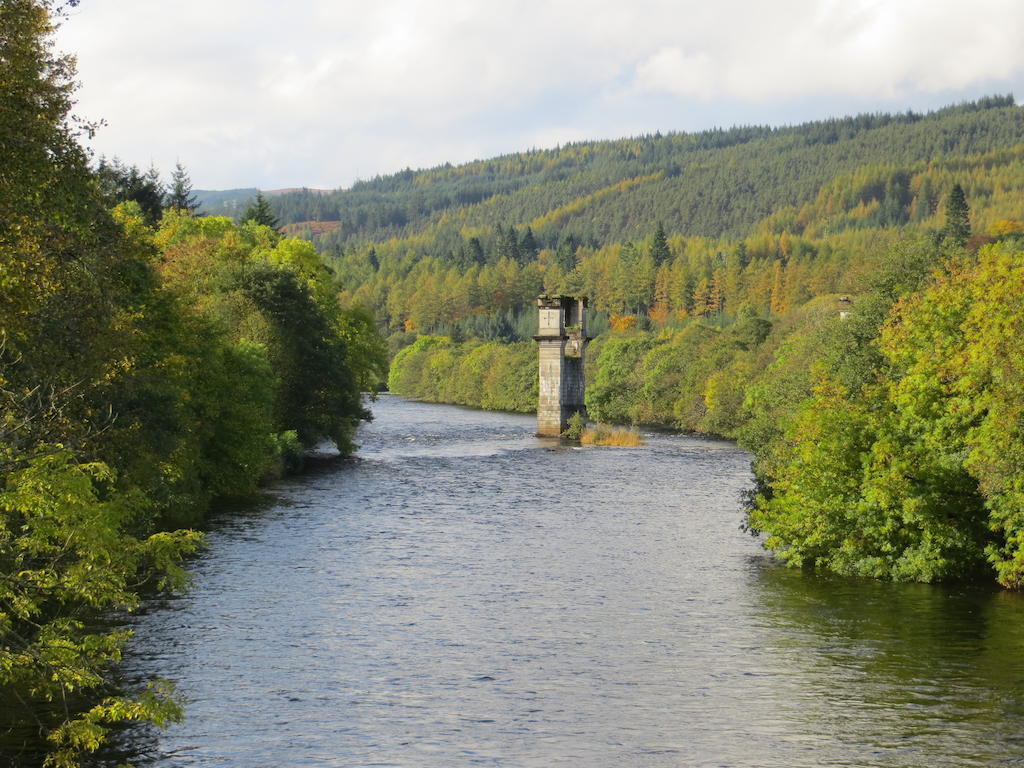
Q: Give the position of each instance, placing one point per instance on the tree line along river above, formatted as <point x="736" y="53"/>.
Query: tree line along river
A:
<point x="466" y="594"/>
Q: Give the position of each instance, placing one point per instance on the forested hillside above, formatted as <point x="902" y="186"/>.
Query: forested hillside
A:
<point x="708" y="184"/>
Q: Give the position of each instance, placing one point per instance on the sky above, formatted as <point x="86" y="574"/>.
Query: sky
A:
<point x="320" y="93"/>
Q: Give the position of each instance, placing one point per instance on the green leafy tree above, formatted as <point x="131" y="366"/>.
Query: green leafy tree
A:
<point x="318" y="396"/>
<point x="142" y="372"/>
<point x="66" y="555"/>
<point x="615" y="392"/>
<point x="959" y="345"/>
<point x="878" y="478"/>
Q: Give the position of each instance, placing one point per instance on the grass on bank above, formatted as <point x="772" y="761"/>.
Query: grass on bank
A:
<point x="604" y="434"/>
<point x="601" y="434"/>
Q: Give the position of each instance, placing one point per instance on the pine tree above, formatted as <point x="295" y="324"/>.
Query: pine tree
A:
<point x="151" y="195"/>
<point x="742" y="256"/>
<point x="506" y="244"/>
<point x="924" y="201"/>
<point x="120" y="183"/>
<point x="659" y="247"/>
<point x="958" y="223"/>
<point x="180" y="197"/>
<point x="260" y="212"/>
<point x="476" y="252"/>
<point x="565" y="254"/>
<point x="528" y="246"/>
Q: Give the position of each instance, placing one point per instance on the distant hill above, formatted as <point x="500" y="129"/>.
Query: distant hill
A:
<point x="755" y="216"/>
<point x="290" y="190"/>
<point x="224" y="202"/>
<point x="231" y="202"/>
<point x="713" y="183"/>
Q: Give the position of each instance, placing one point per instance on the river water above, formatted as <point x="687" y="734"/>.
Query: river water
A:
<point x="466" y="594"/>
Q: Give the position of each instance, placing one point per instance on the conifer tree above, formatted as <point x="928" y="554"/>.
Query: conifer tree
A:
<point x="506" y="244"/>
<point x="701" y="295"/>
<point x="528" y="246"/>
<point x="476" y="251"/>
<point x="659" y="246"/>
<point x="742" y="257"/>
<point x="180" y="197"/>
<point x="121" y="183"/>
<point x="260" y="212"/>
<point x="958" y="224"/>
<point x="778" y="303"/>
<point x="565" y="254"/>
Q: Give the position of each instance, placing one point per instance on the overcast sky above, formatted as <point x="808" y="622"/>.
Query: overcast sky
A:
<point x="318" y="93"/>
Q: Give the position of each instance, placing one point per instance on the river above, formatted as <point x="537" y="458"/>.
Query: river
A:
<point x="466" y="594"/>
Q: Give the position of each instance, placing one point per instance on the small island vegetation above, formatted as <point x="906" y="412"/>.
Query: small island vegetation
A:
<point x="607" y="434"/>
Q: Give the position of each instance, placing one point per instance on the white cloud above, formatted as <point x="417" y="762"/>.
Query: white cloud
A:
<point x="862" y="49"/>
<point x="319" y="91"/>
<point x="672" y="70"/>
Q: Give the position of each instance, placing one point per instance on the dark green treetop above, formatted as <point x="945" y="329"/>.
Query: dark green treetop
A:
<point x="180" y="195"/>
<point x="121" y="183"/>
<point x="259" y="211"/>
<point x="958" y="223"/>
<point x="659" y="246"/>
<point x="528" y="247"/>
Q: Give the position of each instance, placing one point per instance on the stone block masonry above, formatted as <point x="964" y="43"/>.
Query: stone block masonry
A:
<point x="561" y="340"/>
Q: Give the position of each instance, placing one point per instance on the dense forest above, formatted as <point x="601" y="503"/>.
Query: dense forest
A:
<point x="150" y="362"/>
<point x="839" y="297"/>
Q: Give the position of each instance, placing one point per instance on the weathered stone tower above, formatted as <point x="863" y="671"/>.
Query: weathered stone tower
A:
<point x="562" y="338"/>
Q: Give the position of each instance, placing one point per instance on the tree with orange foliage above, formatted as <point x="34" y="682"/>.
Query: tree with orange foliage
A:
<point x="621" y="323"/>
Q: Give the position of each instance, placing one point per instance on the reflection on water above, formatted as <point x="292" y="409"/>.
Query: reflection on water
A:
<point x="467" y="594"/>
<point x="898" y="674"/>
